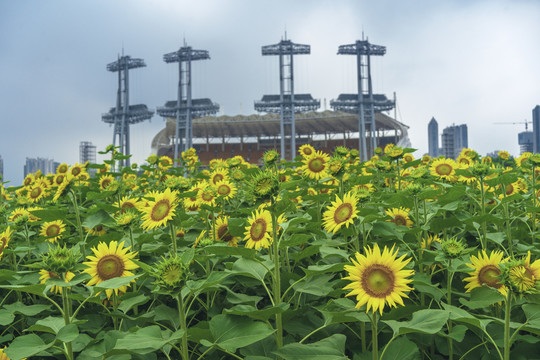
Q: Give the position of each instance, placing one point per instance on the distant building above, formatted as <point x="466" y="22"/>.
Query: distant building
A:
<point x="45" y="165"/>
<point x="526" y="142"/>
<point x="433" y="138"/>
<point x="1" y="168"/>
<point x="454" y="138"/>
<point x="536" y="129"/>
<point x="87" y="152"/>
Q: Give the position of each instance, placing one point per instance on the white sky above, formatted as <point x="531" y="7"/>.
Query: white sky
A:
<point x="462" y="61"/>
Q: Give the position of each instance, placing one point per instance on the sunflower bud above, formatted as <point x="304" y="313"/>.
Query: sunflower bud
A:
<point x="170" y="274"/>
<point x="413" y="189"/>
<point x="480" y="170"/>
<point x="264" y="185"/>
<point x="270" y="157"/>
<point x="453" y="248"/>
<point x="60" y="259"/>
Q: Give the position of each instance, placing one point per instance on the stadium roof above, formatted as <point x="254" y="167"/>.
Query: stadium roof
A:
<point x="307" y="124"/>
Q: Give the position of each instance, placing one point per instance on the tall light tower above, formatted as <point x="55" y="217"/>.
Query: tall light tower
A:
<point x="365" y="103"/>
<point x="286" y="103"/>
<point x="124" y="114"/>
<point x="184" y="108"/>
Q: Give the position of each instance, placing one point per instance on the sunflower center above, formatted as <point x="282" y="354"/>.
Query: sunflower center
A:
<point x="127" y="205"/>
<point x="258" y="229"/>
<point x="59" y="179"/>
<point x="217" y="178"/>
<point x="160" y="210"/>
<point x="343" y="213"/>
<point x="35" y="192"/>
<point x="207" y="195"/>
<point x="444" y="169"/>
<point x="223" y="233"/>
<point x="52" y="230"/>
<point x="378" y="281"/>
<point x="316" y="165"/>
<point x="223" y="190"/>
<point x="509" y="189"/>
<point x="105" y="183"/>
<point x="307" y="151"/>
<point x="110" y="266"/>
<point x="488" y="275"/>
<point x="400" y="220"/>
<point x="62" y="169"/>
<point x="75" y="171"/>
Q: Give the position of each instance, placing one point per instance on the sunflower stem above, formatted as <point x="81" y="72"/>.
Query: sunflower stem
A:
<point x="173" y="239"/>
<point x="450" y="275"/>
<point x="67" y="319"/>
<point x="374" y="333"/>
<point x="507" y="311"/>
<point x="508" y="229"/>
<point x="483" y="208"/>
<point x="78" y="217"/>
<point x="276" y="278"/>
<point x="182" y="318"/>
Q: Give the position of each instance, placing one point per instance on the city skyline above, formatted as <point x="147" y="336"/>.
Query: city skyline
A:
<point x="441" y="61"/>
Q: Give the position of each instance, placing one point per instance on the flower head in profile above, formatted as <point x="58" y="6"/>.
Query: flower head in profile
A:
<point x="108" y="262"/>
<point x="378" y="278"/>
<point x="399" y="216"/>
<point x="46" y="275"/>
<point x="5" y="237"/>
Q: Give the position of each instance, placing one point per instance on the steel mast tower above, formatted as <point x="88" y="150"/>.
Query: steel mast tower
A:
<point x="365" y="103"/>
<point x="184" y="108"/>
<point x="124" y="114"/>
<point x="287" y="103"/>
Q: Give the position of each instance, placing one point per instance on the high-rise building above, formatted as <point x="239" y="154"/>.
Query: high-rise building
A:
<point x="454" y="138"/>
<point x="87" y="152"/>
<point x="525" y="141"/>
<point x="433" y="138"/>
<point x="45" y="165"/>
<point x="536" y="129"/>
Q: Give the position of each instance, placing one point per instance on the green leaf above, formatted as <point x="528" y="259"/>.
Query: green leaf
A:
<point x="116" y="282"/>
<point x="26" y="346"/>
<point x="253" y="312"/>
<point x="341" y="311"/>
<point x="318" y="285"/>
<point x="147" y="339"/>
<point x="422" y="283"/>
<point x="331" y="348"/>
<point x="237" y="226"/>
<point x="36" y="289"/>
<point x="428" y="321"/>
<point x="401" y="349"/>
<point x="210" y="283"/>
<point x="233" y="332"/>
<point x="458" y="333"/>
<point x="101" y="217"/>
<point x="68" y="333"/>
<point x="51" y="324"/>
<point x="224" y="249"/>
<point x="462" y="316"/>
<point x="129" y="302"/>
<point x="28" y="310"/>
<point x="251" y="268"/>
<point x="6" y="317"/>
<point x="482" y="297"/>
<point x="321" y="269"/>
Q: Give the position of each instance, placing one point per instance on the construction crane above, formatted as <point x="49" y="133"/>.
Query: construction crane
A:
<point x="514" y="123"/>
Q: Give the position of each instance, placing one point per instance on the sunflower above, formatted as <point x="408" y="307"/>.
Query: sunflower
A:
<point x="306" y="150"/>
<point x="341" y="213"/>
<point x="464" y="161"/>
<point x="105" y="181"/>
<point x="165" y="162"/>
<point x="160" y="210"/>
<point x="315" y="165"/>
<point x="486" y="271"/>
<point x="4" y="194"/>
<point x="98" y="230"/>
<point x="378" y="279"/>
<point x="62" y="168"/>
<point x="523" y="159"/>
<point x="399" y="216"/>
<point x="429" y="241"/>
<point x="110" y="261"/>
<point x="221" y="232"/>
<point x="17" y="213"/>
<point x="53" y="230"/>
<point x="28" y="180"/>
<point x="126" y="204"/>
<point x="5" y="237"/>
<point x="259" y="232"/>
<point x="444" y="169"/>
<point x="66" y="181"/>
<point x="36" y="192"/>
<point x="45" y="275"/>
<point x="207" y="194"/>
<point x="77" y="170"/>
<point x="225" y="189"/>
<point x="503" y="154"/>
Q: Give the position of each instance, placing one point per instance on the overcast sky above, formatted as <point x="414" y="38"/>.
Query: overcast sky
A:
<point x="466" y="61"/>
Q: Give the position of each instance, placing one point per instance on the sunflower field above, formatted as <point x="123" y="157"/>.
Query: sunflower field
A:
<point x="325" y="257"/>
